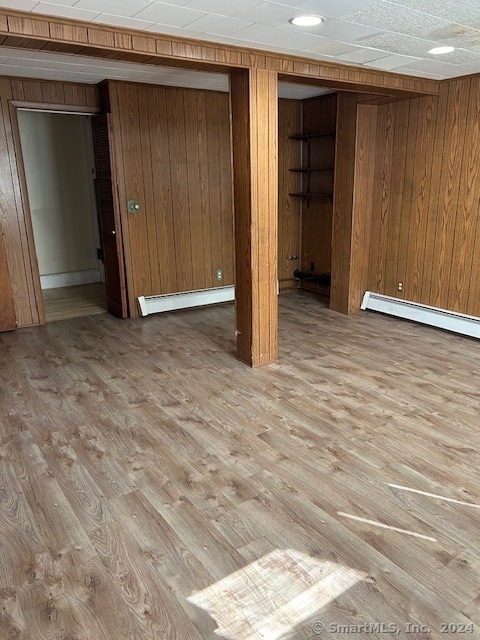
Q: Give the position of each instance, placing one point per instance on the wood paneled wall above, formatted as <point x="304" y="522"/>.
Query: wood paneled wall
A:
<point x="426" y="211"/>
<point x="173" y="153"/>
<point x="14" y="215"/>
<point x="289" y="207"/>
<point x="319" y="115"/>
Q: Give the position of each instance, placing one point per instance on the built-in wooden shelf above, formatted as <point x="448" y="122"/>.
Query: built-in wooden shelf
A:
<point x="309" y="194"/>
<point x="309" y="170"/>
<point x="308" y="136"/>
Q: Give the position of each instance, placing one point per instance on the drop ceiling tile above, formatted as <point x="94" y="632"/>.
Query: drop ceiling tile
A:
<point x="433" y="66"/>
<point x="391" y="62"/>
<point x="20" y="53"/>
<point x="332" y="48"/>
<point x="278" y="36"/>
<point x="219" y="25"/>
<point x="459" y="56"/>
<point x="362" y="55"/>
<point x="347" y="31"/>
<point x="114" y="7"/>
<point x="169" y="14"/>
<point x="121" y="21"/>
<point x="167" y="29"/>
<point x="327" y="7"/>
<point x="399" y="43"/>
<point x="19" y="5"/>
<point x="64" y="12"/>
<point x="269" y="13"/>
<point x="457" y="35"/>
<point x="466" y="12"/>
<point x="386" y="16"/>
<point x="61" y="3"/>
<point x="222" y="7"/>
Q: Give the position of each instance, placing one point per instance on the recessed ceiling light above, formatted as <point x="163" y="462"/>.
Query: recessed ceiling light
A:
<point x="437" y="51"/>
<point x="307" y="21"/>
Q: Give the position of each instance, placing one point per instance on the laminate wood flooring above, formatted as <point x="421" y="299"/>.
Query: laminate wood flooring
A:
<point x="74" y="302"/>
<point x="143" y="468"/>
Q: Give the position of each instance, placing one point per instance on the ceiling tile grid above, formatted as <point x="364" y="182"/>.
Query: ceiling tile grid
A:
<point x="377" y="34"/>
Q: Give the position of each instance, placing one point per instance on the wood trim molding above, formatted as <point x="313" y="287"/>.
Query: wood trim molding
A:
<point x="33" y="31"/>
<point x="43" y="106"/>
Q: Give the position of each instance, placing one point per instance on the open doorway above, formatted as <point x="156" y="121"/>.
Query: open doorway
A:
<point x="58" y="157"/>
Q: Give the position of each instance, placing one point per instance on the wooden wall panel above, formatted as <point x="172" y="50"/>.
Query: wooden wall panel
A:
<point x="426" y="211"/>
<point x="366" y="175"/>
<point x="7" y="309"/>
<point x="289" y="207"/>
<point x="173" y="150"/>
<point x="14" y="213"/>
<point x="343" y="201"/>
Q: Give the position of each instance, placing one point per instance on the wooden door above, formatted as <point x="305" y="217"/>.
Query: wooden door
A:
<point x="109" y="216"/>
<point x="7" y="310"/>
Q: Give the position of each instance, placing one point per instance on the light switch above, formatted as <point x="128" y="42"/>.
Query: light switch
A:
<point x="133" y="206"/>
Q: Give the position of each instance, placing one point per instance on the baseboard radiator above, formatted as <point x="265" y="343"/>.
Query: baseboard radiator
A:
<point x="433" y="316"/>
<point x="184" y="300"/>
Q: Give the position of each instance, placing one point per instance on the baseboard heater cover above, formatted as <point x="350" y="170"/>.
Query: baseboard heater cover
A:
<point x="185" y="300"/>
<point x="433" y="316"/>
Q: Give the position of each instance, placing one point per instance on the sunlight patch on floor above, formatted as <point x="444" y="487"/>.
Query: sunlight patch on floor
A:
<point x="375" y="523"/>
<point x="433" y="495"/>
<point x="268" y="598"/>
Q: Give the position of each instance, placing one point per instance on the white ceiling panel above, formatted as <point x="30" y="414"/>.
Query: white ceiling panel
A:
<point x="122" y="21"/>
<point x="466" y="12"/>
<point x="65" y="11"/>
<point x="53" y="66"/>
<point x="394" y="18"/>
<point x="223" y="7"/>
<point x="355" y="32"/>
<point x="127" y="9"/>
<point x="219" y="25"/>
<point x="174" y="16"/>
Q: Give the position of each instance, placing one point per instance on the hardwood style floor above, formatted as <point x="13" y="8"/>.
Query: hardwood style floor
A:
<point x="152" y="486"/>
<point x="74" y="302"/>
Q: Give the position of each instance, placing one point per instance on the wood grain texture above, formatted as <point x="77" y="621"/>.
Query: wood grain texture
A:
<point x="138" y="467"/>
<point x="343" y="201"/>
<point x="319" y="115"/>
<point x="289" y="207"/>
<point x="424" y="231"/>
<point x="69" y="36"/>
<point x="7" y="309"/>
<point x="173" y="155"/>
<point x="14" y="212"/>
<point x="254" y="111"/>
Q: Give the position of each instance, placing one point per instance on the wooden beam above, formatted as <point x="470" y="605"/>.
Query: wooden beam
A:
<point x="254" y="102"/>
<point x="32" y="31"/>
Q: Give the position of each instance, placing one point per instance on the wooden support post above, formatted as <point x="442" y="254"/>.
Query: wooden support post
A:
<point x="254" y="103"/>
<point x="352" y="211"/>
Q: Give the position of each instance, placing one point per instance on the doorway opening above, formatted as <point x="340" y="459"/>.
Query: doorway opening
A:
<point x="58" y="156"/>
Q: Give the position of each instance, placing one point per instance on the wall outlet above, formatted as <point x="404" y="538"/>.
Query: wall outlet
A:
<point x="400" y="286"/>
<point x="219" y="273"/>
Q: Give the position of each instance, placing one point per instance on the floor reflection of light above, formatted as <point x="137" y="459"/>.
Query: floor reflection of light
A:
<point x="433" y="495"/>
<point x="375" y="523"/>
<point x="269" y="597"/>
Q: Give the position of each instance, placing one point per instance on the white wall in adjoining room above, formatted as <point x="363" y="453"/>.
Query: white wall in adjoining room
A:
<point x="58" y="161"/>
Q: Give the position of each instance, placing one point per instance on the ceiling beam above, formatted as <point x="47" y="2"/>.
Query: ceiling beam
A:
<point x="38" y="32"/>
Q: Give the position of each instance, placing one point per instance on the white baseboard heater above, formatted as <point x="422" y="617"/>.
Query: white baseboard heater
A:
<point x="433" y="316"/>
<point x="185" y="300"/>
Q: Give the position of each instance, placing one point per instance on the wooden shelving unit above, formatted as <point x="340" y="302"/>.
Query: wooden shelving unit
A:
<point x="307" y="170"/>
